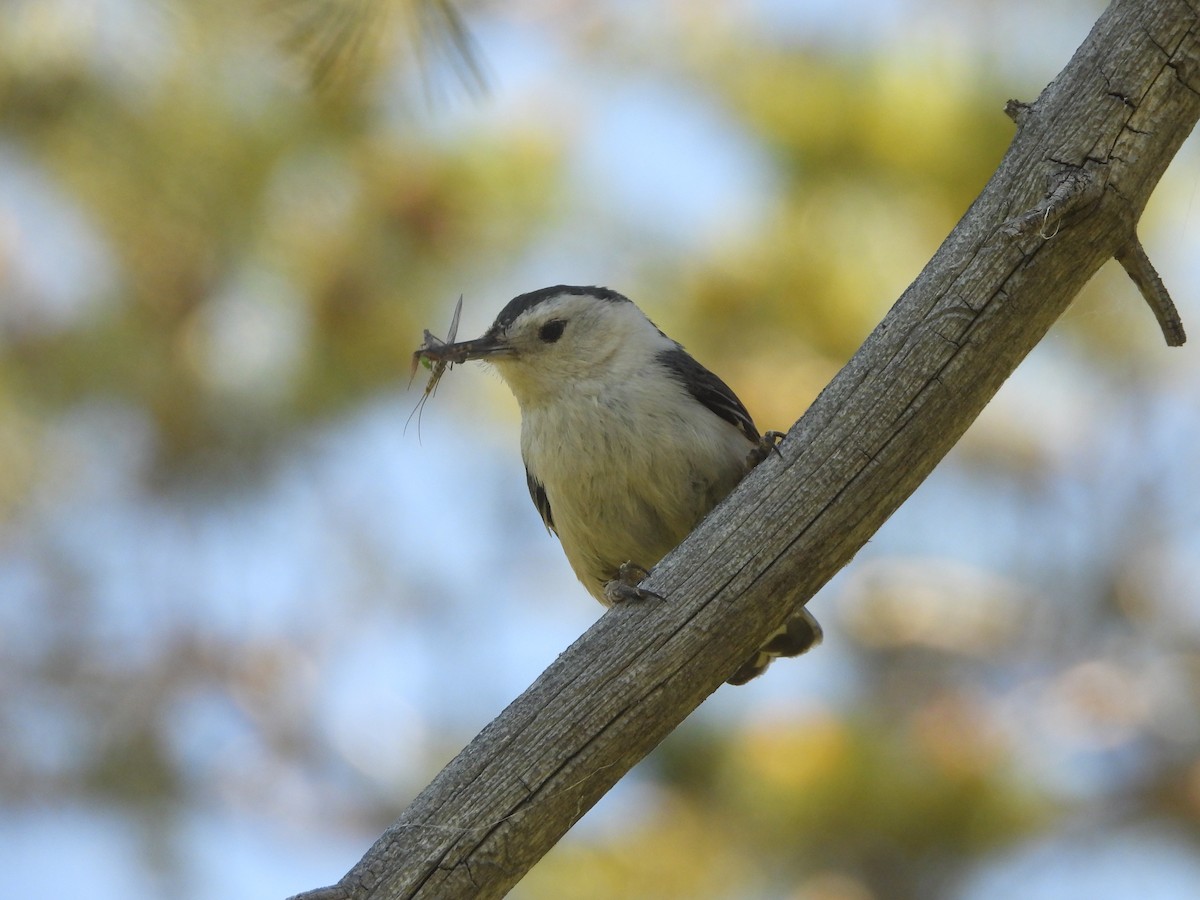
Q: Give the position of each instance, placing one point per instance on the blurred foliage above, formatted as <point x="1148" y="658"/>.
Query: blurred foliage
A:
<point x="228" y="224"/>
<point x="271" y="245"/>
<point x="869" y="181"/>
<point x="797" y="795"/>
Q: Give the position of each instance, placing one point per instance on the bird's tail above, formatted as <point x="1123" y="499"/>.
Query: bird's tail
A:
<point x="797" y="635"/>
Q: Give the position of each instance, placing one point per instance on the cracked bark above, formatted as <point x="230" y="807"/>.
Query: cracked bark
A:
<point x="1066" y="197"/>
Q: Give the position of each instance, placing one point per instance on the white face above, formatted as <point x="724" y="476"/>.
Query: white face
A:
<point x="565" y="342"/>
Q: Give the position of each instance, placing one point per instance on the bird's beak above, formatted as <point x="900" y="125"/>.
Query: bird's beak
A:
<point x="489" y="346"/>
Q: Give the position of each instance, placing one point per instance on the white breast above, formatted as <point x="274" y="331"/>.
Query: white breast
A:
<point x="629" y="469"/>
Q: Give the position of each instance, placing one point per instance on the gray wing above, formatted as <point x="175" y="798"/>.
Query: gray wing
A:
<point x="709" y="390"/>
<point x="540" y="500"/>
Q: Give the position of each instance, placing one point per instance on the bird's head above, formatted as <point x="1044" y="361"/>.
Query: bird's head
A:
<point x="558" y="339"/>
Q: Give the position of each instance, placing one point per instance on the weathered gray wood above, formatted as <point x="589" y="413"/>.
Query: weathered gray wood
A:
<point x="1066" y="197"/>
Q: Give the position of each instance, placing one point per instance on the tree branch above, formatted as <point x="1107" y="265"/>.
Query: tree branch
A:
<point x="1142" y="273"/>
<point x="1099" y="137"/>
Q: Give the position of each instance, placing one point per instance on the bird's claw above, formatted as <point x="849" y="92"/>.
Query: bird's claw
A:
<point x="624" y="587"/>
<point x="767" y="444"/>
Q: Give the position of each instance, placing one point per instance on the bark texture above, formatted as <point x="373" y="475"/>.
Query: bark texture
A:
<point x="1066" y="197"/>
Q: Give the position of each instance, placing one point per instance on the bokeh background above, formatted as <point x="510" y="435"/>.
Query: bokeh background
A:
<point x="248" y="608"/>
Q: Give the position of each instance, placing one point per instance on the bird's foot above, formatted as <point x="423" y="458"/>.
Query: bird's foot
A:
<point x="767" y="444"/>
<point x="624" y="587"/>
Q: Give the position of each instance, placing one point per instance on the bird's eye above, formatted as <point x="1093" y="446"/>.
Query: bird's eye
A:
<point x="552" y="331"/>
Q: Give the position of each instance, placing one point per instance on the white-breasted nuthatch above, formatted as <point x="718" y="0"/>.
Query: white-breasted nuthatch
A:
<point x="628" y="442"/>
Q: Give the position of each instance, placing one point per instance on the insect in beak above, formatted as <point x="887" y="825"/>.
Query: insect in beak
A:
<point x="425" y="355"/>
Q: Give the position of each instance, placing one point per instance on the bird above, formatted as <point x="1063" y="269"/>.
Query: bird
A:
<point x="628" y="441"/>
